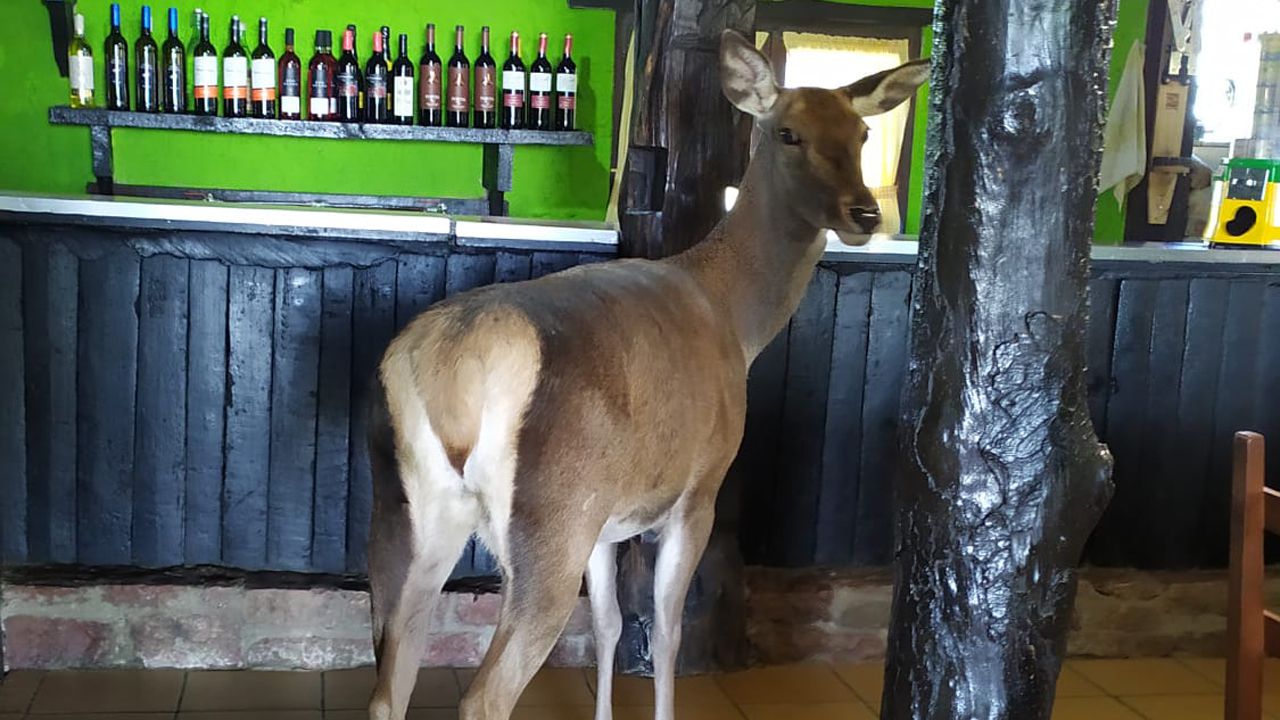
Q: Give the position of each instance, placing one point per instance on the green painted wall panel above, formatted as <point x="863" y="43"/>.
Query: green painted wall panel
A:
<point x="549" y="182"/>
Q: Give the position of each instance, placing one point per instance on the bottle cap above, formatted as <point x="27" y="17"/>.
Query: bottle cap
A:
<point x="79" y="21"/>
<point x="146" y="16"/>
<point x="288" y="36"/>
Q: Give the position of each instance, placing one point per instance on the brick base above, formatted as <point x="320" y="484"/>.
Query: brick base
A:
<point x="794" y="616"/>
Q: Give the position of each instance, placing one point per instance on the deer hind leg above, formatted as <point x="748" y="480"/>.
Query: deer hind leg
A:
<point x="680" y="546"/>
<point x="606" y="620"/>
<point x="540" y="586"/>
<point x="412" y="550"/>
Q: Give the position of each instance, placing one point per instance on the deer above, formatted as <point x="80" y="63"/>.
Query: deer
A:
<point x="556" y="417"/>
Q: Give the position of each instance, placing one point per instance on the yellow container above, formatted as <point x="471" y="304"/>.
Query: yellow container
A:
<point x="1246" y="204"/>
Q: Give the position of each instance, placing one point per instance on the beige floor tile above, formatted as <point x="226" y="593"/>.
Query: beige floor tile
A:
<point x="820" y="711"/>
<point x="413" y="714"/>
<point x="17" y="690"/>
<point x="251" y="690"/>
<point x="693" y="691"/>
<point x="1073" y="684"/>
<point x="99" y="716"/>
<point x="250" y="715"/>
<point x="1162" y="676"/>
<point x="350" y="689"/>
<point x="1092" y="708"/>
<point x="12" y="716"/>
<point x="108" y="691"/>
<point x="785" y="684"/>
<point x="632" y="712"/>
<point x="866" y="679"/>
<point x="1177" y="707"/>
<point x="552" y="712"/>
<point x="1212" y="669"/>
<point x="559" y="687"/>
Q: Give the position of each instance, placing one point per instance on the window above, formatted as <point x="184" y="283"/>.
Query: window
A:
<point x="1227" y="65"/>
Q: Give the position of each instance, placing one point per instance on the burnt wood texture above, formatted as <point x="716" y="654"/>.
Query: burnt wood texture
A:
<point x="1003" y="477"/>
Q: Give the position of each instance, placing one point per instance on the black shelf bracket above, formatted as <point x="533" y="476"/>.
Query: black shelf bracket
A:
<point x="60" y="24"/>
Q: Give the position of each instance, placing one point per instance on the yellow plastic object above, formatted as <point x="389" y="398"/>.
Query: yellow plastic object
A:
<point x="1247" y="204"/>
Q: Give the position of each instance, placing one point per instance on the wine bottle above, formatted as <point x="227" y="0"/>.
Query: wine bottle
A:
<point x="262" y="80"/>
<point x="386" y="46"/>
<point x="486" y="115"/>
<point x="235" y="74"/>
<point x="147" y="61"/>
<point x="402" y="85"/>
<point x="80" y="67"/>
<point x="322" y="96"/>
<point x="540" y="116"/>
<point x="173" y="93"/>
<point x="459" y="94"/>
<point x="117" y="59"/>
<point x="567" y="89"/>
<point x="355" y="55"/>
<point x="375" y="85"/>
<point x="429" y="90"/>
<point x="290" y="80"/>
<point x="204" y="62"/>
<point x="513" y="87"/>
<point x="348" y="80"/>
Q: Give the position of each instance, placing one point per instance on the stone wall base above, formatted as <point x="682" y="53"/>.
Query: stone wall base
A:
<point x="793" y="616"/>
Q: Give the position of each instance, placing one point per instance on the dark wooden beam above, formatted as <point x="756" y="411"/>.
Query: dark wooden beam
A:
<point x="1003" y="476"/>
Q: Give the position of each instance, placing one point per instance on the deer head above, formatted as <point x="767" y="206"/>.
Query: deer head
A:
<point x="813" y="137"/>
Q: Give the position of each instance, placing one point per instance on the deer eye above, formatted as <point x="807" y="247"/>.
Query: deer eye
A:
<point x="787" y="137"/>
<point x="866" y="135"/>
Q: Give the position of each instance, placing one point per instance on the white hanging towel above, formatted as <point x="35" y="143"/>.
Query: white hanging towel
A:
<point x="1124" y="149"/>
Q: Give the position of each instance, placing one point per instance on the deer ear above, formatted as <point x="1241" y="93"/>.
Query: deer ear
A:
<point x="745" y="75"/>
<point x="883" y="91"/>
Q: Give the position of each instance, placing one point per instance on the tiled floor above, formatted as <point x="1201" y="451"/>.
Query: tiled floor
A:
<point x="1189" y="689"/>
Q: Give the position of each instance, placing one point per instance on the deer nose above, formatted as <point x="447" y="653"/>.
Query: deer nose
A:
<point x="865" y="217"/>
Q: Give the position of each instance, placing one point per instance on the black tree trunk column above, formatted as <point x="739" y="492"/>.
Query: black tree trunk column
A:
<point x="1004" y="477"/>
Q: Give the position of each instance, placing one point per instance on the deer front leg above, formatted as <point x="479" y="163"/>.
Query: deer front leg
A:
<point x="606" y="620"/>
<point x="679" y="549"/>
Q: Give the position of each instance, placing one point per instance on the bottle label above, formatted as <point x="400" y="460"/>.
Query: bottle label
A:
<point x="264" y="79"/>
<point x="513" y="80"/>
<point x="567" y="101"/>
<point x="486" y="89"/>
<point x="540" y="102"/>
<point x="319" y="107"/>
<point x="235" y="78"/>
<point x="348" y="85"/>
<point x="375" y="88"/>
<point x="206" y="77"/>
<point x="540" y="82"/>
<point x="459" y="90"/>
<point x="429" y="87"/>
<point x="402" y="97"/>
<point x="513" y="99"/>
<point x="175" y="83"/>
<point x="291" y="86"/>
<point x="567" y="82"/>
<point x="81" y="72"/>
<point x="322" y="104"/>
<point x="291" y="105"/>
<point x="117" y="73"/>
<point x="146" y="80"/>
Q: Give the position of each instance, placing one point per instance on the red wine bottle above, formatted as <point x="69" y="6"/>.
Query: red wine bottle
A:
<point x="116" y="58"/>
<point x="290" y="77"/>
<point x="235" y="74"/>
<point x="430" y="83"/>
<point x="458" y="96"/>
<point x="540" y="116"/>
<point x="204" y="61"/>
<point x="355" y="56"/>
<point x="147" y="60"/>
<point x="402" y="85"/>
<point x="348" y="80"/>
<point x="567" y="89"/>
<point x="173" y="93"/>
<point x="386" y="46"/>
<point x="486" y="115"/>
<point x="376" y="108"/>
<point x="263" y="76"/>
<point x="513" y="87"/>
<point x="322" y="100"/>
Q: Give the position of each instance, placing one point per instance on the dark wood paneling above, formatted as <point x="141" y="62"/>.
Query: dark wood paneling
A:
<point x="206" y="403"/>
<point x="511" y="267"/>
<point x="886" y="370"/>
<point x="107" y="371"/>
<point x="159" y="472"/>
<point x="294" y="372"/>
<point x="13" y="425"/>
<point x="464" y="272"/>
<point x="804" y="415"/>
<point x="419" y="284"/>
<point x="1102" y="328"/>
<point x="373" y="323"/>
<point x="546" y="263"/>
<point x="1266" y="410"/>
<point x="250" y="331"/>
<point x="333" y="418"/>
<point x="841" y="451"/>
<point x="757" y="460"/>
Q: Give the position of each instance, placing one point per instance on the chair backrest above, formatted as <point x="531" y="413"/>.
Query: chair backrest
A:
<point x="1253" y="632"/>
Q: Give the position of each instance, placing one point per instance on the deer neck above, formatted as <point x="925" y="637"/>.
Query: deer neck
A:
<point x="756" y="264"/>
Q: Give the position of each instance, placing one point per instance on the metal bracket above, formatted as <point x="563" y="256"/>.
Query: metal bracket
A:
<point x="60" y="22"/>
<point x="103" y="163"/>
<point x="498" y="170"/>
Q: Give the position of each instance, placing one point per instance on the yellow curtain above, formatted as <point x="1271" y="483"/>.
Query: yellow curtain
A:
<point x="832" y="61"/>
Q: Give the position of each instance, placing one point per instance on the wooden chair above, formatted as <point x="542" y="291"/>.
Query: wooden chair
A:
<point x="1253" y="632"/>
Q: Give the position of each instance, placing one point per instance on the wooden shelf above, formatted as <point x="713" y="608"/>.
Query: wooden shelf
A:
<point x="63" y="115"/>
<point x="498" y="145"/>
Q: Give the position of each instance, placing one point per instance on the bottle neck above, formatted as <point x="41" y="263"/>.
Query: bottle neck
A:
<point x="115" y="18"/>
<point x="404" y="46"/>
<point x="262" y="33"/>
<point x="484" y="41"/>
<point x="431" y="38"/>
<point x="568" y="46"/>
<point x="457" y="40"/>
<point x="377" y="44"/>
<point x="515" y="45"/>
<point x="348" y="42"/>
<point x="542" y="46"/>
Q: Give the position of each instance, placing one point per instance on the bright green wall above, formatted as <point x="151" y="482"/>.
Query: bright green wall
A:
<point x="1131" y="25"/>
<point x="549" y="182"/>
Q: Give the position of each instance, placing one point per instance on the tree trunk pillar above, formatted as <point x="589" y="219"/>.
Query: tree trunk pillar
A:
<point x="1004" y="478"/>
